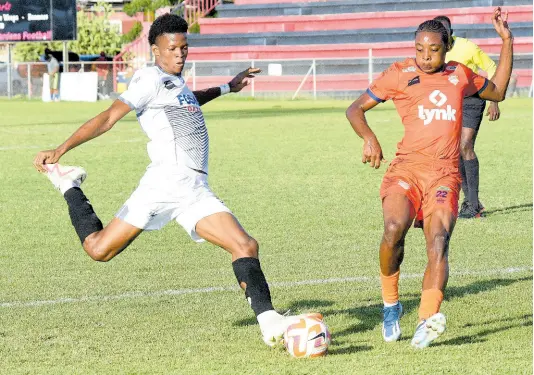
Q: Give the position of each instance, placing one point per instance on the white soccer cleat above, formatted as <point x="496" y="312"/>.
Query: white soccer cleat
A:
<point x="429" y="330"/>
<point x="273" y="334"/>
<point x="64" y="177"/>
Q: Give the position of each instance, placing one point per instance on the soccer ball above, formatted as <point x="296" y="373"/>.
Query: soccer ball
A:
<point x="309" y="337"/>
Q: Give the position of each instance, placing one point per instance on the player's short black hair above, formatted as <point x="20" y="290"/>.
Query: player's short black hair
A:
<point x="166" y="24"/>
<point x="433" y="26"/>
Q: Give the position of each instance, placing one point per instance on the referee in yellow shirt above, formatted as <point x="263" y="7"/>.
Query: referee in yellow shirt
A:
<point x="469" y="54"/>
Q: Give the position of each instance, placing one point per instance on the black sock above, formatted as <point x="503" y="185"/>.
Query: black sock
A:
<point x="248" y="271"/>
<point x="81" y="212"/>
<point x="471" y="170"/>
<point x="465" y="187"/>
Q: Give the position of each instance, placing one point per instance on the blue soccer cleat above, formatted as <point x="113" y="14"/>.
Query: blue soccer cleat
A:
<point x="428" y="330"/>
<point x="391" y="328"/>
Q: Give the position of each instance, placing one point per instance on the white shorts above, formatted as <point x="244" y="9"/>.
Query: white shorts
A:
<point x="164" y="195"/>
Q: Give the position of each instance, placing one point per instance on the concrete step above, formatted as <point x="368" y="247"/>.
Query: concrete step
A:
<point x="354" y="21"/>
<point x="378" y="35"/>
<point x="354" y="6"/>
<point x="336" y="51"/>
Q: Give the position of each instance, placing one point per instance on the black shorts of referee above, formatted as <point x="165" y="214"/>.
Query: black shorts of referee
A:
<point x="472" y="112"/>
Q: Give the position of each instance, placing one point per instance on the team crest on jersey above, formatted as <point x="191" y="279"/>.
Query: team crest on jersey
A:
<point x="451" y="68"/>
<point x="409" y="69"/>
<point x="414" y="81"/>
<point x="454" y="79"/>
<point x="169" y="85"/>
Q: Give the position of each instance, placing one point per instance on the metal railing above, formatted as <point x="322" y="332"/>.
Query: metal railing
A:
<point x="193" y="10"/>
<point x="27" y="78"/>
<point x="139" y="48"/>
<point x="289" y="78"/>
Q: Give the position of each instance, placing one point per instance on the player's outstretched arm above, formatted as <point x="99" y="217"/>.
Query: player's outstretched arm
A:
<point x="372" y="152"/>
<point x="235" y="85"/>
<point x="207" y="95"/>
<point x="496" y="89"/>
<point x="98" y="125"/>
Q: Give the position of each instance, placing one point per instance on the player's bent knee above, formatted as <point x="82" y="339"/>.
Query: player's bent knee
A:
<point x="96" y="251"/>
<point x="246" y="247"/>
<point x="393" y="232"/>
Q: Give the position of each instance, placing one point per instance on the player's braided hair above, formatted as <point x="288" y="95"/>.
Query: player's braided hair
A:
<point x="443" y="19"/>
<point x="433" y="26"/>
<point x="166" y="24"/>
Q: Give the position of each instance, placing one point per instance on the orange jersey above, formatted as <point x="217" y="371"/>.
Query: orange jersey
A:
<point x="430" y="106"/>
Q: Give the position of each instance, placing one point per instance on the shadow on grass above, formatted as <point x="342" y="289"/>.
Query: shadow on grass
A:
<point x="480" y="286"/>
<point x="297" y="307"/>
<point x="519" y="321"/>
<point x="510" y="210"/>
<point x="369" y="317"/>
<point x="525" y="317"/>
<point x="245" y="322"/>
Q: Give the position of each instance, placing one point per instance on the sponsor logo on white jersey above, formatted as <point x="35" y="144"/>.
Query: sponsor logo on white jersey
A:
<point x="438" y="99"/>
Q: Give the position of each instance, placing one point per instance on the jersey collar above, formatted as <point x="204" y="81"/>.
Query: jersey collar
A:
<point x="164" y="72"/>
<point x="443" y="68"/>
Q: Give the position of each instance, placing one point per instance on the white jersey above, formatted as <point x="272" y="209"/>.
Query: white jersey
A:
<point x="171" y="117"/>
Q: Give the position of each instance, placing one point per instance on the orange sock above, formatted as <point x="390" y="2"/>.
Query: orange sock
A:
<point x="390" y="287"/>
<point x="430" y="303"/>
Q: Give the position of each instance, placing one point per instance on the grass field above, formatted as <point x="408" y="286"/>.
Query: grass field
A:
<point x="291" y="173"/>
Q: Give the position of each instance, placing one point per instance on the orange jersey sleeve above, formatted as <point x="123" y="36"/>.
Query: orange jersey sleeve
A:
<point x="475" y="83"/>
<point x="385" y="86"/>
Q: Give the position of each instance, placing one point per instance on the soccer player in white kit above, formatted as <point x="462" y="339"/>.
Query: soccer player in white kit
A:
<point x="174" y="186"/>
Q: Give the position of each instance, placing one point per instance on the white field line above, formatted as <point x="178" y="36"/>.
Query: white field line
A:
<point x="214" y="289"/>
<point x="44" y="147"/>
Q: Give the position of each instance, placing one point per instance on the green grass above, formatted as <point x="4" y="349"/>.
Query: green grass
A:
<point x="291" y="172"/>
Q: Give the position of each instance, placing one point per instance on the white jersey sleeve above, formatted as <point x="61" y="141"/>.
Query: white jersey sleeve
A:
<point x="141" y="91"/>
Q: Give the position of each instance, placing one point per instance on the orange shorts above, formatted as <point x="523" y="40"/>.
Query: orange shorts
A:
<point x="430" y="185"/>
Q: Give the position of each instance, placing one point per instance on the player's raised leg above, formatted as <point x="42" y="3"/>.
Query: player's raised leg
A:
<point x="398" y="216"/>
<point x="438" y="229"/>
<point x="100" y="243"/>
<point x="223" y="229"/>
<point x="105" y="244"/>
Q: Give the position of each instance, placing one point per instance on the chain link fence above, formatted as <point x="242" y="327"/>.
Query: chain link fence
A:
<point x="311" y="78"/>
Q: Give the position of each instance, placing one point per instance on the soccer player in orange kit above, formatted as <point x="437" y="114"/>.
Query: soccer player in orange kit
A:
<point x="423" y="180"/>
